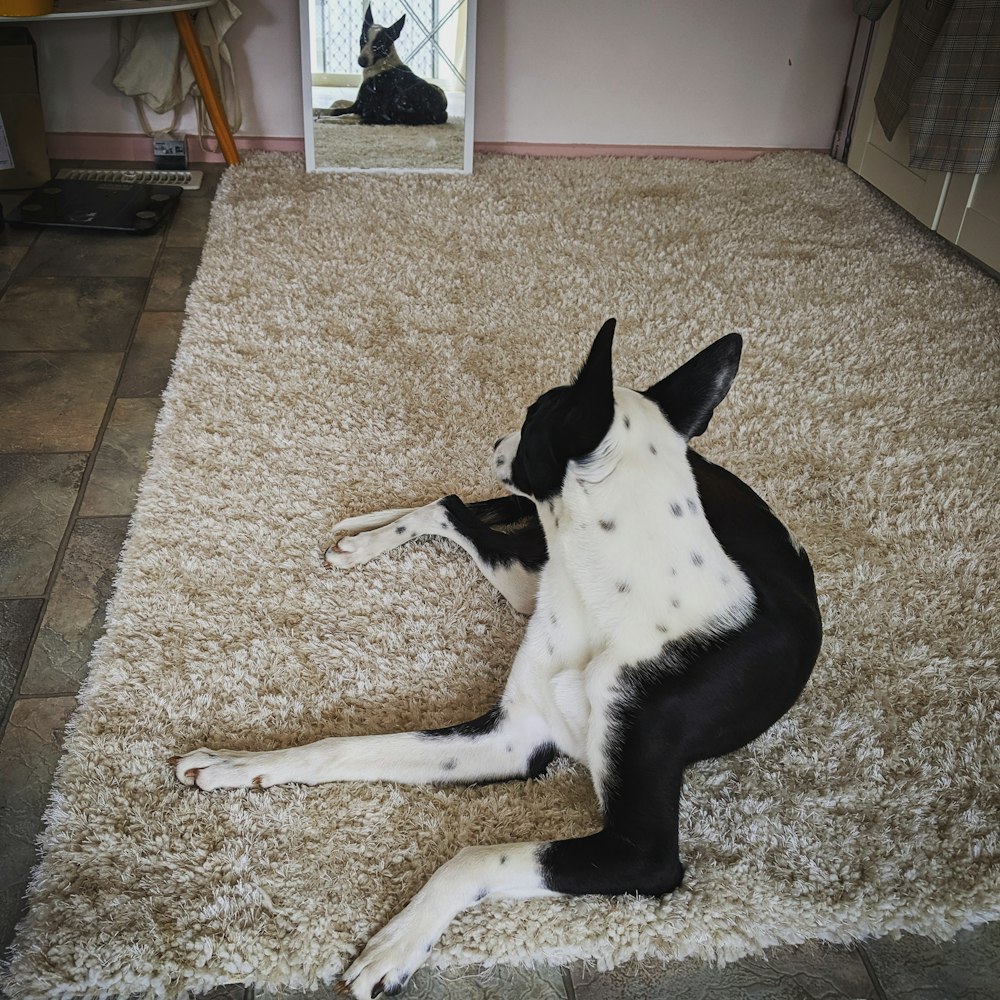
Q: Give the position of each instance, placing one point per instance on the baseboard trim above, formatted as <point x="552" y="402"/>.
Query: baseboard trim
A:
<point x="581" y="149"/>
<point x="138" y="148"/>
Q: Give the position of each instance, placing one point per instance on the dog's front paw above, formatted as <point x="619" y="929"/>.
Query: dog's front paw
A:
<point x="347" y="552"/>
<point x="367" y="536"/>
<point x="389" y="960"/>
<point x="214" y="769"/>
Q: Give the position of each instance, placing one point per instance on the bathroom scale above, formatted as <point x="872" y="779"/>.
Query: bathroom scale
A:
<point x="110" y="205"/>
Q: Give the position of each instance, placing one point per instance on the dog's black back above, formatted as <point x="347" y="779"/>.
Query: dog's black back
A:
<point x="398" y="96"/>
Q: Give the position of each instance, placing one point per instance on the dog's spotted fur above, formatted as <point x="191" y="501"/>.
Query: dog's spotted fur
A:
<point x="674" y="620"/>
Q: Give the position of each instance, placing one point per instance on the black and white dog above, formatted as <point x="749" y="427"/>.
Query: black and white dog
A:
<point x="390" y="92"/>
<point x="674" y="619"/>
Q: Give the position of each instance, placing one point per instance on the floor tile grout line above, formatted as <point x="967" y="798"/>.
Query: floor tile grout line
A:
<point x="567" y="979"/>
<point x="870" y="969"/>
<point x="15" y="694"/>
<point x="58" y="350"/>
<point x="42" y="695"/>
<point x="71" y="452"/>
<point x="102" y="517"/>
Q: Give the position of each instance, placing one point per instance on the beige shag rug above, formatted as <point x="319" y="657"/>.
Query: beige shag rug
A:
<point x="344" y="142"/>
<point x="338" y="357"/>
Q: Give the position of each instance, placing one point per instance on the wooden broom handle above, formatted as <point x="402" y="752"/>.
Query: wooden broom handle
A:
<point x="203" y="78"/>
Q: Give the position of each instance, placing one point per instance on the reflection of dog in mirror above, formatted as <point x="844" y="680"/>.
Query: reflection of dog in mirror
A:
<point x="390" y="92"/>
<point x="675" y="619"/>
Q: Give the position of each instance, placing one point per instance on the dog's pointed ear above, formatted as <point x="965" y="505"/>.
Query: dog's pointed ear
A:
<point x="688" y="397"/>
<point x="368" y="15"/>
<point x="593" y="387"/>
<point x="595" y="378"/>
<point x="394" y="30"/>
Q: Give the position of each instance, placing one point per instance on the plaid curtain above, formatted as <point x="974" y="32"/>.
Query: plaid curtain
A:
<point x="943" y="69"/>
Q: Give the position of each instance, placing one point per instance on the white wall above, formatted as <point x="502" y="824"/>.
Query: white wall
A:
<point x="669" y="72"/>
<point x="665" y="72"/>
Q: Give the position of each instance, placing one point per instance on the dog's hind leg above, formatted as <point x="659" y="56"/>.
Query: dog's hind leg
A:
<point x="634" y="853"/>
<point x="510" y="560"/>
<point x="366" y="522"/>
<point x="498" y="511"/>
<point x="602" y="863"/>
<point x="504" y="510"/>
<point x="503" y="871"/>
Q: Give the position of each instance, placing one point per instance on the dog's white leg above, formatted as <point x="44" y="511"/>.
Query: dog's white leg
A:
<point x="392" y="955"/>
<point x="371" y="535"/>
<point x="365" y="522"/>
<point x="642" y="859"/>
<point x="515" y="581"/>
<point x="496" y="554"/>
<point x="508" y="742"/>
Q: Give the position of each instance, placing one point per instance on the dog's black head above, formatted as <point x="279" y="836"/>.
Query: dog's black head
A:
<point x="565" y="423"/>
<point x="568" y="423"/>
<point x="376" y="41"/>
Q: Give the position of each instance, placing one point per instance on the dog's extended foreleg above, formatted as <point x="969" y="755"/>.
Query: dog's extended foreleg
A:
<point x="510" y="560"/>
<point x="507" y="742"/>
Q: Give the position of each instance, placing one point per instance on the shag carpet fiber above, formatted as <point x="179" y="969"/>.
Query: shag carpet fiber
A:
<point x="339" y="357"/>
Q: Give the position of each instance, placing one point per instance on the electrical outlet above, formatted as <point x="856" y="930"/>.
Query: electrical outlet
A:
<point x="169" y="154"/>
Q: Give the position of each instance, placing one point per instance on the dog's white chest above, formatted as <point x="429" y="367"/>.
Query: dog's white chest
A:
<point x="633" y="566"/>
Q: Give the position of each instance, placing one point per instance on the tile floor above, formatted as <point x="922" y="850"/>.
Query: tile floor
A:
<point x="88" y="327"/>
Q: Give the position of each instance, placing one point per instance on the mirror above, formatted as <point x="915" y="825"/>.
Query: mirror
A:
<point x="387" y="84"/>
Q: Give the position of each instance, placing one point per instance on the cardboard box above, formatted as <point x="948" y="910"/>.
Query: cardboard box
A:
<point x="21" y="111"/>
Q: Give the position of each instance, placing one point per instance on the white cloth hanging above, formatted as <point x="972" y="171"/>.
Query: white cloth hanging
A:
<point x="154" y="70"/>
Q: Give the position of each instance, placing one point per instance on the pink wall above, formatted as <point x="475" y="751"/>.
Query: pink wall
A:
<point x="674" y="73"/>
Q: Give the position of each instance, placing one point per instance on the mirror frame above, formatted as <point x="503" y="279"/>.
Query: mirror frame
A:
<point x="305" y="18"/>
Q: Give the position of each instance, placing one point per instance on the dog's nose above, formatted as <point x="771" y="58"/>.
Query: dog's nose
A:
<point x="362" y="61"/>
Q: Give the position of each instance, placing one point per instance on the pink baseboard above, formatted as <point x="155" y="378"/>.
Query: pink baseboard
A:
<point x="139" y="148"/>
<point x="598" y="149"/>
<point x="120" y="146"/>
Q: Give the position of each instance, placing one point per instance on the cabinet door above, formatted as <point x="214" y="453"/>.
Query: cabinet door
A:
<point x="970" y="217"/>
<point x="883" y="163"/>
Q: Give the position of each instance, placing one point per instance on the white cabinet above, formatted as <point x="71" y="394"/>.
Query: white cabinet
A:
<point x="970" y="215"/>
<point x="963" y="208"/>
